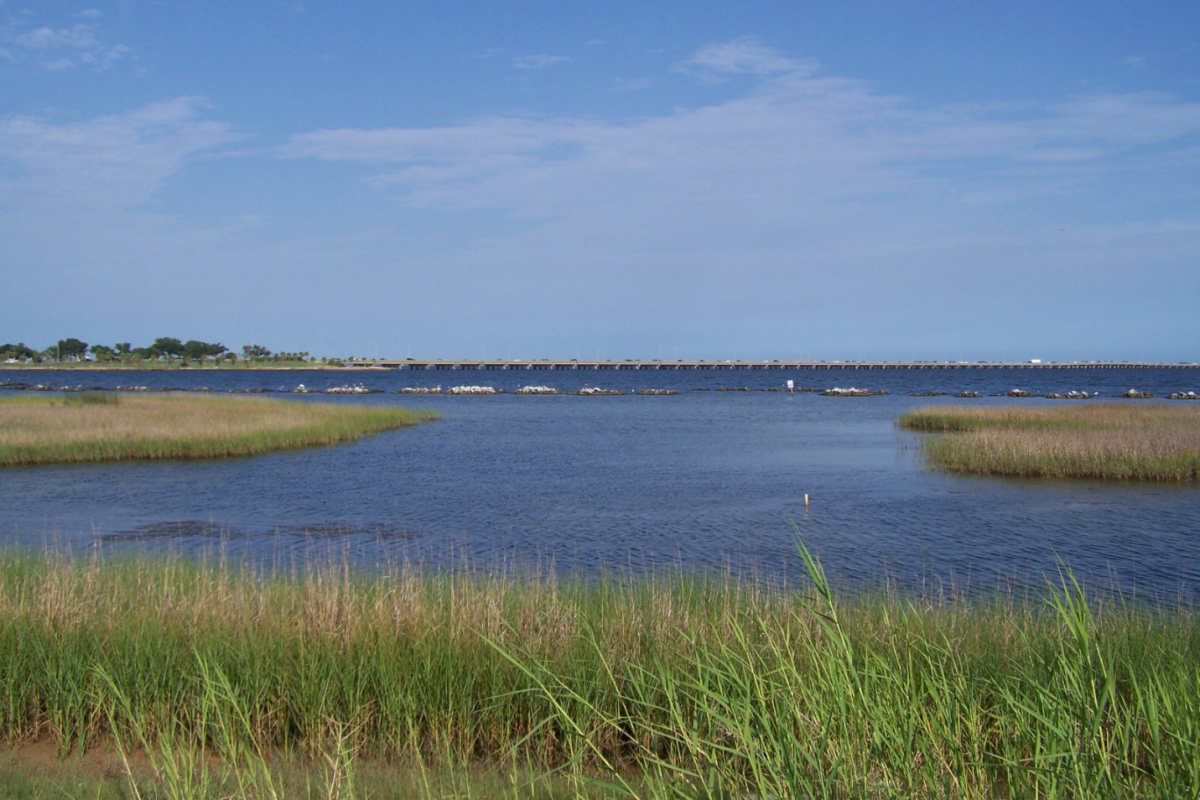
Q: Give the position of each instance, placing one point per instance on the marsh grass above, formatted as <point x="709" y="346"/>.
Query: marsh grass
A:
<point x="1118" y="441"/>
<point x="75" y="428"/>
<point x="227" y="681"/>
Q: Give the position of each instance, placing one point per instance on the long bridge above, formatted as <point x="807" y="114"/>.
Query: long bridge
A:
<point x="628" y="364"/>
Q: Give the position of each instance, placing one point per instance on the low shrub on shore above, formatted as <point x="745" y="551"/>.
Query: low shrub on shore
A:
<point x="673" y="686"/>
<point x="107" y="427"/>
<point x="1108" y="440"/>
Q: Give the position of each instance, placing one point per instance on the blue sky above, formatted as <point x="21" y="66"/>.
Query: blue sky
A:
<point x="841" y="180"/>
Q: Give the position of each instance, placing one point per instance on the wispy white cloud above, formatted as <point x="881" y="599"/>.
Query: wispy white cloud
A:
<point x="106" y="164"/>
<point x="1134" y="62"/>
<point x="744" y="56"/>
<point x="45" y="38"/>
<point x="797" y="140"/>
<point x="59" y="48"/>
<point x="539" y="61"/>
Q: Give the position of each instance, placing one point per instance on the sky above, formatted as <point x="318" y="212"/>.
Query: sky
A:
<point x="839" y="180"/>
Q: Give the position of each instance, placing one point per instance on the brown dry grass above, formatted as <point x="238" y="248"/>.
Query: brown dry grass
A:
<point x="1107" y="440"/>
<point x="81" y="428"/>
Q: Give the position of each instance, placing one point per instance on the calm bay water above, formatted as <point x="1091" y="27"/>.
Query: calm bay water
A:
<point x="703" y="479"/>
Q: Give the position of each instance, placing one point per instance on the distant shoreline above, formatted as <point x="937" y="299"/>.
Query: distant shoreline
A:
<point x="90" y="367"/>
<point x="389" y="365"/>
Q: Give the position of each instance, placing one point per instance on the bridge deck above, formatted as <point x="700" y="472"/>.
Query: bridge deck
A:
<point x="543" y="364"/>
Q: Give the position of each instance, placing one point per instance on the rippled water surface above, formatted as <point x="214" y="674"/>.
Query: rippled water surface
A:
<point x="703" y="479"/>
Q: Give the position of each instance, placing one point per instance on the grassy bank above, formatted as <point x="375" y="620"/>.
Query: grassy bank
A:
<point x="43" y="429"/>
<point x="1108" y="440"/>
<point x="210" y="681"/>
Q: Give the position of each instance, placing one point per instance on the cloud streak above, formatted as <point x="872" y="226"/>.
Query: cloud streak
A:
<point x="539" y="61"/>
<point x="61" y="48"/>
<point x="744" y="56"/>
<point x="798" y="140"/>
<point x="104" y="164"/>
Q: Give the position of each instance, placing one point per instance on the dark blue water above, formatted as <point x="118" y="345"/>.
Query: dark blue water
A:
<point x="705" y="479"/>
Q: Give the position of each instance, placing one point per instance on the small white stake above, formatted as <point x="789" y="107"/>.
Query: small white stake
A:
<point x="806" y="501"/>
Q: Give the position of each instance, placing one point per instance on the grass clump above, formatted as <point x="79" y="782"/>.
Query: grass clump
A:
<point x="106" y="427"/>
<point x="1108" y="440"/>
<point x="212" y="681"/>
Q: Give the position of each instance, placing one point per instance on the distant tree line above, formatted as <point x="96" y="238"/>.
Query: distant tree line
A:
<point x="164" y="348"/>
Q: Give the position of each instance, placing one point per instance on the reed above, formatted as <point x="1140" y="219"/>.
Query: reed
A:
<point x="1152" y="442"/>
<point x="85" y="427"/>
<point x="663" y="686"/>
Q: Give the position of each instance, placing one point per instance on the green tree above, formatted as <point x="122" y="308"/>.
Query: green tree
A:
<point x="103" y="353"/>
<point x="195" y="350"/>
<point x="70" y="349"/>
<point x="167" y="346"/>
<point x="18" y="351"/>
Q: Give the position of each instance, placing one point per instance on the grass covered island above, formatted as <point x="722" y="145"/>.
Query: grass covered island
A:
<point x="189" y="680"/>
<point x="87" y="427"/>
<point x="1114" y="441"/>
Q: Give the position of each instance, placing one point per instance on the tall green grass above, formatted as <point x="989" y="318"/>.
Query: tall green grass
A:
<point x="1153" y="442"/>
<point x="670" y="686"/>
<point x="87" y="427"/>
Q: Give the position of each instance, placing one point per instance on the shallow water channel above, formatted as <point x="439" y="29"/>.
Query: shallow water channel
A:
<point x="702" y="479"/>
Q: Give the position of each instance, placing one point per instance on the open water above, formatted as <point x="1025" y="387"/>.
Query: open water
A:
<point x="703" y="480"/>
